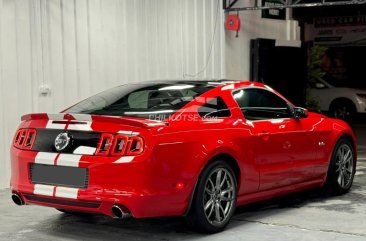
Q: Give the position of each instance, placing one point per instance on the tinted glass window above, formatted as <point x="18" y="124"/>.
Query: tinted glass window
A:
<point x="260" y="104"/>
<point x="157" y="101"/>
<point x="215" y="107"/>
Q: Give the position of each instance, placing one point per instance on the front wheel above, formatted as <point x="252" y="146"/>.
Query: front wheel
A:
<point x="342" y="168"/>
<point x="214" y="200"/>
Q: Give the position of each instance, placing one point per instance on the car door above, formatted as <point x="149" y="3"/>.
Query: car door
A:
<point x="283" y="145"/>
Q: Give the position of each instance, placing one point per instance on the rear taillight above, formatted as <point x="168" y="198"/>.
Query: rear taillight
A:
<point x="24" y="138"/>
<point x="135" y="146"/>
<point x="104" y="145"/>
<point x="119" y="145"/>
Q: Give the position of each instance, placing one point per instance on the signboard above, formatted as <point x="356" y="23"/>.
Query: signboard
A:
<point x="349" y="30"/>
<point x="273" y="13"/>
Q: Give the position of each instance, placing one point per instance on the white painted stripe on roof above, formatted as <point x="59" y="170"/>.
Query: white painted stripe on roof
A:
<point x="45" y="158"/>
<point x="228" y="87"/>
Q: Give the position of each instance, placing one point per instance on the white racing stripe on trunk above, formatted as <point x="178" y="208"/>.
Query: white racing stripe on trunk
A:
<point x="80" y="127"/>
<point x="70" y="160"/>
<point x="125" y="159"/>
<point x="66" y="192"/>
<point x="82" y="117"/>
<point x="41" y="189"/>
<point x="45" y="158"/>
<point x="56" y="116"/>
<point x="51" y="118"/>
<point x="125" y="132"/>
<point x="85" y="150"/>
<point x="51" y="125"/>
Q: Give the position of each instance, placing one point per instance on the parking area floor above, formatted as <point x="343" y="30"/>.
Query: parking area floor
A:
<point x="308" y="215"/>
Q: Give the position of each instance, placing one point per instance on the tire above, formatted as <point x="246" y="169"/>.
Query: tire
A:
<point x="216" y="190"/>
<point x="342" y="168"/>
<point x="343" y="109"/>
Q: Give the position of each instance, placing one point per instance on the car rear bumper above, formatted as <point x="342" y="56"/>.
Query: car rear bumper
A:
<point x="131" y="184"/>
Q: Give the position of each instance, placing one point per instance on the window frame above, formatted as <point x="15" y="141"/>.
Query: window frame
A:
<point x="221" y="117"/>
<point x="290" y="106"/>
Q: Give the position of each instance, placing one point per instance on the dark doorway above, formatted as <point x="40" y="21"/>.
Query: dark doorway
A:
<point x="281" y="67"/>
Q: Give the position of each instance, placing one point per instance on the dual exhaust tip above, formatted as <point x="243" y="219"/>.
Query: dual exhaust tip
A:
<point x="117" y="211"/>
<point x="17" y="199"/>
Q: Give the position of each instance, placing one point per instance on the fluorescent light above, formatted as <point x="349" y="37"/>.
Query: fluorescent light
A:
<point x="177" y="87"/>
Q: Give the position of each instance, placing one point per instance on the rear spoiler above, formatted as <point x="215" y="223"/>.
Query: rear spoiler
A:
<point x="67" y="118"/>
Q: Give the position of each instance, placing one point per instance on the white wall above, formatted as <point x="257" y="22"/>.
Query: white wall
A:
<point x="80" y="47"/>
<point x="252" y="27"/>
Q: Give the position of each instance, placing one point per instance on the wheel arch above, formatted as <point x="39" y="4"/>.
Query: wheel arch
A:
<point x="229" y="159"/>
<point x="351" y="140"/>
<point x="328" y="183"/>
<point x="337" y="138"/>
<point x="339" y="100"/>
<point x="226" y="157"/>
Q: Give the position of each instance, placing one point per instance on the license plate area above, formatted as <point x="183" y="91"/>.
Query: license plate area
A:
<point x="59" y="175"/>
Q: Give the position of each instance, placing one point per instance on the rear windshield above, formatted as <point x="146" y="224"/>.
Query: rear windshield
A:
<point x="141" y="100"/>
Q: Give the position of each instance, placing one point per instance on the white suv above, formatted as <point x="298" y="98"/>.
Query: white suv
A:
<point x="339" y="102"/>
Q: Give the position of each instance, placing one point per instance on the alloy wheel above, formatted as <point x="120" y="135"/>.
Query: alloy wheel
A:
<point x="342" y="112"/>
<point x="219" y="196"/>
<point x="344" y="165"/>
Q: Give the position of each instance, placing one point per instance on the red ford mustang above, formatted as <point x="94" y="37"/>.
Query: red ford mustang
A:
<point x="192" y="148"/>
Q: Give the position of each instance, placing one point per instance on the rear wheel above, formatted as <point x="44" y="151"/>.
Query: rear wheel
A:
<point x="214" y="201"/>
<point x="342" y="168"/>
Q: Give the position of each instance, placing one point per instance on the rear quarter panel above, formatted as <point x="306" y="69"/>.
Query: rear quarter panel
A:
<point x="183" y="149"/>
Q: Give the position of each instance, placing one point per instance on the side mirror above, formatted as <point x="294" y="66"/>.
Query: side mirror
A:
<point x="300" y="112"/>
<point x="320" y="85"/>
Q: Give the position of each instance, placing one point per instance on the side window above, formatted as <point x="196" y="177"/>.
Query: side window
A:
<point x="215" y="107"/>
<point x="147" y="99"/>
<point x="260" y="104"/>
<point x="138" y="99"/>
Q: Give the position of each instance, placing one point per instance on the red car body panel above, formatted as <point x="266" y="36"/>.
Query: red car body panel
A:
<point x="273" y="157"/>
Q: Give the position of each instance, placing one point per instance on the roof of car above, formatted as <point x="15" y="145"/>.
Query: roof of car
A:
<point x="213" y="83"/>
<point x="190" y="81"/>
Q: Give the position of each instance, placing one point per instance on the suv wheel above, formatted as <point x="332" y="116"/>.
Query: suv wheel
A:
<point x="344" y="110"/>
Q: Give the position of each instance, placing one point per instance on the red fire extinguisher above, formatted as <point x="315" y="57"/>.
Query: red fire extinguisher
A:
<point x="232" y="23"/>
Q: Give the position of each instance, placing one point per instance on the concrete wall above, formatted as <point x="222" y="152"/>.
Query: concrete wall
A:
<point x="254" y="26"/>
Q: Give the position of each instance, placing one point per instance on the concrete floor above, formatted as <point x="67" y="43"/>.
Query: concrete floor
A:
<point x="304" y="216"/>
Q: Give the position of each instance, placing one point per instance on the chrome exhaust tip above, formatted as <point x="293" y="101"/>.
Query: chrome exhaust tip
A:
<point x="17" y="199"/>
<point x="119" y="213"/>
